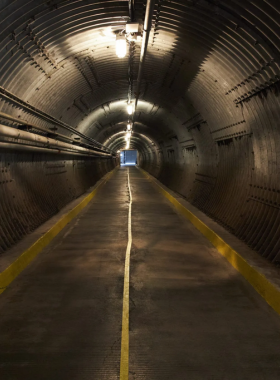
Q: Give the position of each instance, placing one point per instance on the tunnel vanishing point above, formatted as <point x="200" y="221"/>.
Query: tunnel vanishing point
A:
<point x="164" y="270"/>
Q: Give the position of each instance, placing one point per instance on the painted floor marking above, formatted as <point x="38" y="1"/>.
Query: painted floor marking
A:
<point x="124" y="367"/>
<point x="16" y="267"/>
<point x="269" y="290"/>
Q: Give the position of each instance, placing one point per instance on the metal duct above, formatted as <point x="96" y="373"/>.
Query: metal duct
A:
<point x="17" y="135"/>
<point x="146" y="33"/>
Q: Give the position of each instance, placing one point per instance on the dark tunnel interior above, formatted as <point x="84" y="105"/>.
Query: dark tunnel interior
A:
<point x="206" y="124"/>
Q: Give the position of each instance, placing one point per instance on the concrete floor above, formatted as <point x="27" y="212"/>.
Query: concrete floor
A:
<point x="192" y="316"/>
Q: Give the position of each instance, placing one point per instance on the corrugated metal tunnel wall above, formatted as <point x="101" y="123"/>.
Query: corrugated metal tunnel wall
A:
<point x="35" y="187"/>
<point x="207" y="121"/>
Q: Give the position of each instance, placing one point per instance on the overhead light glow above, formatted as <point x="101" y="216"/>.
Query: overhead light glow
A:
<point x="128" y="127"/>
<point x="107" y="32"/>
<point x="129" y="109"/>
<point x="121" y="46"/>
<point x="128" y="134"/>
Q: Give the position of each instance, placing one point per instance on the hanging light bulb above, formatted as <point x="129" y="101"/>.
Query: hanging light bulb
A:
<point x="128" y="127"/>
<point x="129" y="109"/>
<point x="121" y="46"/>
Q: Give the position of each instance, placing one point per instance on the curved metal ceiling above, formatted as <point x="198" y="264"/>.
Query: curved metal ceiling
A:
<point x="60" y="55"/>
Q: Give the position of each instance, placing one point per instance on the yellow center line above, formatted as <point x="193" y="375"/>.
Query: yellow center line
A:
<point x="124" y="367"/>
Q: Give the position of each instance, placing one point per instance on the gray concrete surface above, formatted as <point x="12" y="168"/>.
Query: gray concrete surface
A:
<point x="192" y="316"/>
<point x="61" y="318"/>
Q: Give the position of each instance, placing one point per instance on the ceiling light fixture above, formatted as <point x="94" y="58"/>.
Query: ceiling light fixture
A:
<point x="129" y="109"/>
<point x="121" y="46"/>
<point x="130" y="33"/>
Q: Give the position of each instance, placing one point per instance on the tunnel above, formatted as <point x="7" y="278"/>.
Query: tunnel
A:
<point x="194" y="92"/>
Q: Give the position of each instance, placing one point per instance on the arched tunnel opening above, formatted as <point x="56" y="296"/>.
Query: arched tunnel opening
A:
<point x="127" y="97"/>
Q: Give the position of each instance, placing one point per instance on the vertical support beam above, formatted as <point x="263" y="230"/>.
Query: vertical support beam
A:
<point x="146" y="33"/>
<point x="131" y="53"/>
<point x="131" y="10"/>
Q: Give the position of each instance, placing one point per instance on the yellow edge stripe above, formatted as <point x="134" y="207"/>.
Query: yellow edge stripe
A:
<point x="124" y="364"/>
<point x="269" y="291"/>
<point x="10" y="273"/>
